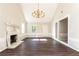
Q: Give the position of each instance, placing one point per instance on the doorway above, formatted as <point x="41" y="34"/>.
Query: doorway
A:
<point x="63" y="30"/>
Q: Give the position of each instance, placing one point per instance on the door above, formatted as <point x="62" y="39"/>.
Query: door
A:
<point x="63" y="30"/>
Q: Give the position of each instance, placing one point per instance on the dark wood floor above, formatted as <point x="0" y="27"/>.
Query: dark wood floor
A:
<point x="40" y="48"/>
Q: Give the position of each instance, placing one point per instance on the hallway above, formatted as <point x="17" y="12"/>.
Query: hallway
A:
<point x="35" y="47"/>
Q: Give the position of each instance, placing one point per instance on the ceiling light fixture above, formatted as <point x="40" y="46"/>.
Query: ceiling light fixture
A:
<point x="38" y="13"/>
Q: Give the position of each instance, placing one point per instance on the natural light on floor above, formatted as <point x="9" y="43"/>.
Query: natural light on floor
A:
<point x="39" y="39"/>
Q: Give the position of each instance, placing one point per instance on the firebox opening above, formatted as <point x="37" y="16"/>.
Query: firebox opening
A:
<point x="13" y="38"/>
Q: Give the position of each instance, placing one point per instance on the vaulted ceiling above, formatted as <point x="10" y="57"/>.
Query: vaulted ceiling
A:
<point x="49" y="10"/>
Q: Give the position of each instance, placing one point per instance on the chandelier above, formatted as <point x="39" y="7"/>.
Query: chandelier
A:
<point x="38" y="13"/>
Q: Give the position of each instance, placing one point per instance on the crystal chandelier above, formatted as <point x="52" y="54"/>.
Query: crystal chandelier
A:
<point x="38" y="13"/>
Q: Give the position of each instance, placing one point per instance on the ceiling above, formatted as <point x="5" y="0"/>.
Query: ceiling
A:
<point x="49" y="10"/>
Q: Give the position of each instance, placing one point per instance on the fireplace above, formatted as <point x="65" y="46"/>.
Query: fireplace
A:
<point x="13" y="39"/>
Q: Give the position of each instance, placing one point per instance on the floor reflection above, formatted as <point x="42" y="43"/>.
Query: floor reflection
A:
<point x="39" y="39"/>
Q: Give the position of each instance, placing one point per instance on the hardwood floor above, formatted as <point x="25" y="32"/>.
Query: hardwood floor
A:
<point x="40" y="48"/>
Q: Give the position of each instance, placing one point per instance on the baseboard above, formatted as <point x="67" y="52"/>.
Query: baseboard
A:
<point x="68" y="45"/>
<point x="75" y="44"/>
<point x="3" y="49"/>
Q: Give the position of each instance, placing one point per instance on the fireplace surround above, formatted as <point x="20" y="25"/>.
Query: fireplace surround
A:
<point x="13" y="36"/>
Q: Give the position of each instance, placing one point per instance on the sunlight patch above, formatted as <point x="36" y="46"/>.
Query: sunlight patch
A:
<point x="39" y="39"/>
<point x="43" y="39"/>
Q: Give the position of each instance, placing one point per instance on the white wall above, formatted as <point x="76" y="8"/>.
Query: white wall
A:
<point x="72" y="11"/>
<point x="10" y="14"/>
